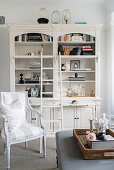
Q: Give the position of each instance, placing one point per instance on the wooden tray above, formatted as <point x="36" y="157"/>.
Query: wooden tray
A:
<point x="80" y="137"/>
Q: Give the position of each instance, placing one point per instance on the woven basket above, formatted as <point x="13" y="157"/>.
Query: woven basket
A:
<point x="80" y="137"/>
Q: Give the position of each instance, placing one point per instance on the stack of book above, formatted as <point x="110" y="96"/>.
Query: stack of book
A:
<point x="77" y="37"/>
<point x="76" y="78"/>
<point x="88" y="38"/>
<point x="87" y="50"/>
<point x="99" y="144"/>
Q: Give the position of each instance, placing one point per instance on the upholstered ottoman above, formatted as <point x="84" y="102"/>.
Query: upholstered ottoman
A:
<point x="70" y="157"/>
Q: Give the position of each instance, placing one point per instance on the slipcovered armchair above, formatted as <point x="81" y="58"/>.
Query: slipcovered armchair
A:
<point x="14" y="107"/>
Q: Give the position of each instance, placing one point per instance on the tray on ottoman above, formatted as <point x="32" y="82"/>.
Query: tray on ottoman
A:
<point x="80" y="137"/>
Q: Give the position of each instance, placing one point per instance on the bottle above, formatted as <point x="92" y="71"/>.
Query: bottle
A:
<point x="83" y="91"/>
<point x="67" y="66"/>
<point x="92" y="94"/>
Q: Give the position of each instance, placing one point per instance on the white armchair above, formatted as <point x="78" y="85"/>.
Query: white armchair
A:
<point x="14" y="106"/>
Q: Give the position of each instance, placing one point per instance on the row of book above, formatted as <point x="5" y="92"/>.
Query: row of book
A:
<point x="77" y="37"/>
<point x="33" y="37"/>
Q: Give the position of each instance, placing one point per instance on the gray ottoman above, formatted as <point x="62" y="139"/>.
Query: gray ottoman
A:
<point x="70" y="157"/>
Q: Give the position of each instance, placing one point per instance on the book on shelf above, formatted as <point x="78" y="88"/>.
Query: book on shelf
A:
<point x="77" y="37"/>
<point x="83" y="69"/>
<point x="66" y="37"/>
<point x="88" y="38"/>
<point x="46" y="38"/>
<point x="83" y="22"/>
<point x="76" y="78"/>
<point x="34" y="37"/>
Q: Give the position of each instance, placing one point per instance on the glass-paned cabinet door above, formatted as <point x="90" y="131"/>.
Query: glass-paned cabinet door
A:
<point x="76" y="72"/>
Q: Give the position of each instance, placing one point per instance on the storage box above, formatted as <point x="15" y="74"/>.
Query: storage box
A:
<point x="99" y="144"/>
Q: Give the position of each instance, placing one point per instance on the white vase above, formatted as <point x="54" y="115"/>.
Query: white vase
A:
<point x="67" y="66"/>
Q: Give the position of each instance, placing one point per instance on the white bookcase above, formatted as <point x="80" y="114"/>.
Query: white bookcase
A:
<point x="56" y="88"/>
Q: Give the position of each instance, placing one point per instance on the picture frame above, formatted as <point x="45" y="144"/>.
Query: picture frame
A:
<point x="35" y="75"/>
<point x="34" y="92"/>
<point x="74" y="65"/>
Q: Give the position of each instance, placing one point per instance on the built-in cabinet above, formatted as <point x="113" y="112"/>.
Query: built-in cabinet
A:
<point x="59" y="66"/>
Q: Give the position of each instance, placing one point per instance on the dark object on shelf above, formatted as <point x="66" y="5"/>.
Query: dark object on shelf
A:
<point x="76" y="78"/>
<point x="42" y="20"/>
<point x="21" y="79"/>
<point x="29" y="53"/>
<point x="60" y="49"/>
<point x="29" y="91"/>
<point x="2" y="20"/>
<point x="31" y="81"/>
<point x="76" y="51"/>
<point x="62" y="67"/>
<point x="47" y="95"/>
<point x="34" y="37"/>
<point x="100" y="136"/>
<point x="76" y="74"/>
<point x="74" y="102"/>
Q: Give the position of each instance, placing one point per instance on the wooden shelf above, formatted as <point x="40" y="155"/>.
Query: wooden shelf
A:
<point x="77" y="56"/>
<point x="47" y="68"/>
<point x="48" y="80"/>
<point x="92" y="71"/>
<point x="31" y="57"/>
<point x="75" y="43"/>
<point x="47" y="92"/>
<point x="27" y="69"/>
<point x="24" y="43"/>
<point x="86" y="81"/>
<point x="34" y="84"/>
<point x="28" y="84"/>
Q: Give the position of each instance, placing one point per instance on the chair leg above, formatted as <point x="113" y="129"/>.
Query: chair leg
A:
<point x="26" y="145"/>
<point x="44" y="146"/>
<point x="8" y="157"/>
<point x="5" y="149"/>
<point x="41" y="145"/>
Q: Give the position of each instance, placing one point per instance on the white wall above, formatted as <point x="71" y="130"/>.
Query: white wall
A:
<point x="4" y="59"/>
<point x="109" y="20"/>
<point x="26" y="11"/>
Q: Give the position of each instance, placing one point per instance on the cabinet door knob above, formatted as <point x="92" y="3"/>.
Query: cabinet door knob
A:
<point x="33" y="119"/>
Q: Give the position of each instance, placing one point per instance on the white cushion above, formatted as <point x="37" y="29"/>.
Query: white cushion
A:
<point x="16" y="116"/>
<point x="9" y="98"/>
<point x="13" y="107"/>
<point x="24" y="132"/>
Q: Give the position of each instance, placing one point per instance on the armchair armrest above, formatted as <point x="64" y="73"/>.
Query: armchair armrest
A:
<point x="34" y="110"/>
<point x="37" y="112"/>
<point x="5" y="124"/>
<point x="4" y="118"/>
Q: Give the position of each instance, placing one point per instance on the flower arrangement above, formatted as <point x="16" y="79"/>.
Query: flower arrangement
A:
<point x="91" y="136"/>
<point x="102" y="124"/>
